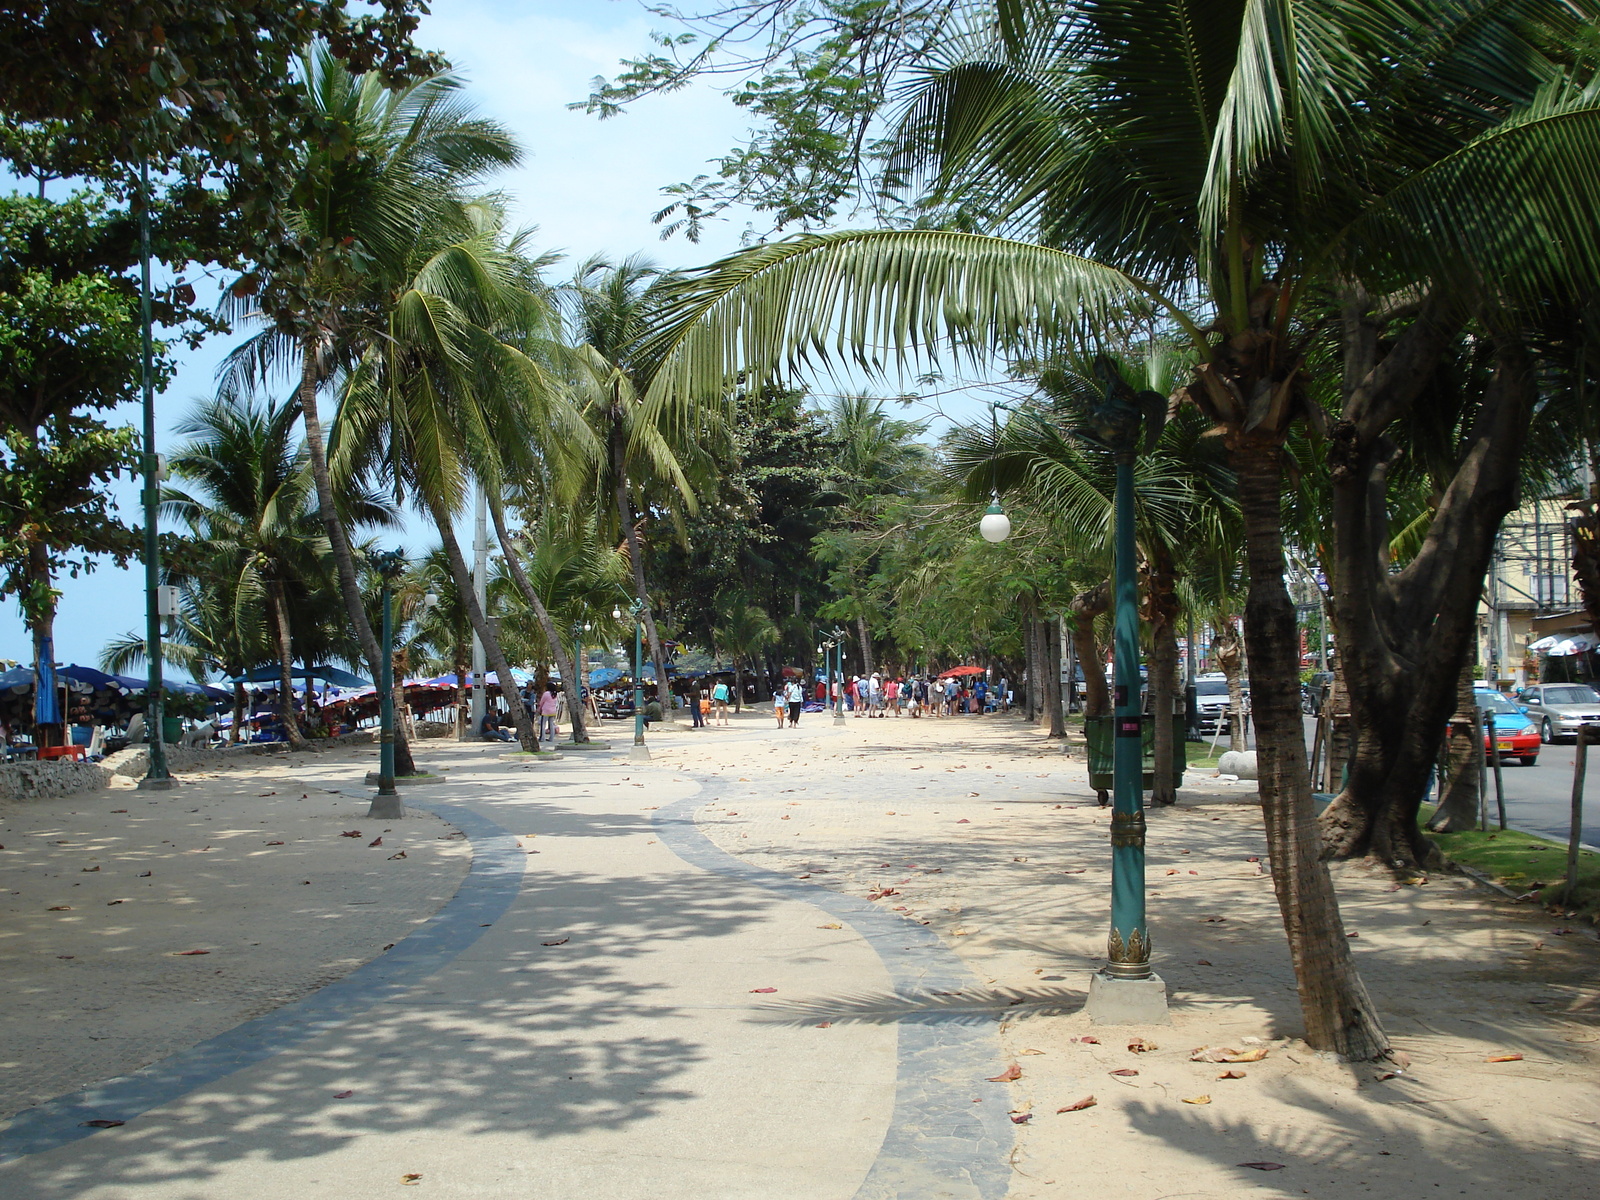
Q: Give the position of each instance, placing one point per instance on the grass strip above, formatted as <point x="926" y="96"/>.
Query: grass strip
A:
<point x="1525" y="863"/>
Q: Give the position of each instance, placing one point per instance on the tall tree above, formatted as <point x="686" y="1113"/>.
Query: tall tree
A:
<point x="390" y="164"/>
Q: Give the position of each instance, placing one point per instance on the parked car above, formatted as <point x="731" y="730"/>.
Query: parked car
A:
<point x="1515" y="735"/>
<point x="1312" y="694"/>
<point x="1211" y="702"/>
<point x="1559" y="708"/>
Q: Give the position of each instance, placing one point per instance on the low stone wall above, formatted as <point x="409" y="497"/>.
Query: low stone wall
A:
<point x="66" y="777"/>
<point x="46" y="780"/>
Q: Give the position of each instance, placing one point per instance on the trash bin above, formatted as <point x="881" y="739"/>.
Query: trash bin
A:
<point x="1099" y="734"/>
<point x="171" y="730"/>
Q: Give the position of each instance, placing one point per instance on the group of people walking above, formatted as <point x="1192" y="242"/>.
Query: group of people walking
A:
<point x="878" y="695"/>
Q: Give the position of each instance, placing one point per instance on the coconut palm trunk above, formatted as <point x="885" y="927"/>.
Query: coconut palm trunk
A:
<point x="558" y="650"/>
<point x="338" y="540"/>
<point x="279" y="610"/>
<point x="1338" y="1013"/>
<point x="1229" y="649"/>
<point x="640" y="590"/>
<point x="1459" y="795"/>
<point x="238" y="711"/>
<point x="1085" y="608"/>
<point x="527" y="735"/>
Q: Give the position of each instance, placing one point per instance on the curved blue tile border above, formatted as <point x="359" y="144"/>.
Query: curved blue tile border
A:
<point x="492" y="883"/>
<point x="938" y="1143"/>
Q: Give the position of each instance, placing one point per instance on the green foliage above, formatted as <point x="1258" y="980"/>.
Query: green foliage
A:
<point x="206" y="92"/>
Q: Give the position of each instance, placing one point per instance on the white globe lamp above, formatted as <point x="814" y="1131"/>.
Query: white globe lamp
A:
<point x="995" y="526"/>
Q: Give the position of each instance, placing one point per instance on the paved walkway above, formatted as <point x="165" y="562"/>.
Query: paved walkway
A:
<point x="592" y="1014"/>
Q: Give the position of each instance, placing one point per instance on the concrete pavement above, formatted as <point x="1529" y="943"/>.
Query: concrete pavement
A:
<point x="599" y="1024"/>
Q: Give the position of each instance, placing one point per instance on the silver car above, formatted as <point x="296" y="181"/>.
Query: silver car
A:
<point x="1559" y="708"/>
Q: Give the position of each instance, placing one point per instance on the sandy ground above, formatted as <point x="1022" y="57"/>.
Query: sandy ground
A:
<point x="103" y="896"/>
<point x="985" y="833"/>
<point x="993" y="838"/>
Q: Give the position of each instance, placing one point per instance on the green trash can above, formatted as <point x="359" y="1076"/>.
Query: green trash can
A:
<point x="1099" y="734"/>
<point x="171" y="730"/>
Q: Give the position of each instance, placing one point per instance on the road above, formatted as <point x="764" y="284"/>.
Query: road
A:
<point x="1539" y="798"/>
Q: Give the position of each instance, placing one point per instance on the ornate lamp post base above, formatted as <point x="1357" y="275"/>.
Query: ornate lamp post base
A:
<point x="639" y="753"/>
<point x="1114" y="1001"/>
<point x="151" y="784"/>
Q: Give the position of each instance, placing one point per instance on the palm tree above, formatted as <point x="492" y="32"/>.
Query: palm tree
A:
<point x="391" y="162"/>
<point x="743" y="631"/>
<point x="647" y="452"/>
<point x="1232" y="169"/>
<point x="248" y="499"/>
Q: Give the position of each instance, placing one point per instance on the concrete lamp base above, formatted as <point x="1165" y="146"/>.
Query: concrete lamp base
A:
<point x="1115" y="1001"/>
<point x="386" y="808"/>
<point x="402" y="780"/>
<point x="639" y="754"/>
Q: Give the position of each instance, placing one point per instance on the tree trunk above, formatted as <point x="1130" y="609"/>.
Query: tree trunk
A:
<point x="238" y="710"/>
<point x="866" y="644"/>
<point x="1405" y="636"/>
<point x="558" y="650"/>
<point x="526" y="733"/>
<point x="1339" y="1015"/>
<point x="1056" y="724"/>
<point x="1086" y="608"/>
<point x="278" y="611"/>
<point x="1231" y="656"/>
<point x="1162" y="605"/>
<point x="459" y="664"/>
<point x="1459" y="793"/>
<point x="39" y="605"/>
<point x="338" y="540"/>
<point x="738" y="686"/>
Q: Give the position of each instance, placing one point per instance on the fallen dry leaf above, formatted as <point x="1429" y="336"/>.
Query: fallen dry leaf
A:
<point x="411" y="1178"/>
<point x="401" y="854"/>
<point x="88" y="868"/>
<point x="1090" y="1039"/>
<point x="187" y="953"/>
<point x="1263" y="1166"/>
<point x="763" y="991"/>
<point x="1227" y="1054"/>
<point x="1504" y="1058"/>
<point x="1197" y="1099"/>
<point x="351" y="833"/>
<point x="377" y="841"/>
<point x="1030" y="1052"/>
<point x="1231" y="1075"/>
<point x="343" y="1095"/>
<point x="963" y="821"/>
<point x="556" y="942"/>
<point x="100" y="1123"/>
<point x="1140" y="1046"/>
<point x="825" y="1025"/>
<point x="831" y="925"/>
<point x="146" y="874"/>
<point x="1010" y="1075"/>
<point x="1125" y="1072"/>
<point x="1086" y="1102"/>
<point x="1021" y="1118"/>
<point x="274" y="843"/>
<point x="1173" y="871"/>
<point x="59" y="908"/>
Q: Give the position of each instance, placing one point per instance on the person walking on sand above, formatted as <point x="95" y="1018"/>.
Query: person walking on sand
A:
<point x="794" y="695"/>
<point x="547" y="714"/>
<point x="719" y="703"/>
<point x="780" y="706"/>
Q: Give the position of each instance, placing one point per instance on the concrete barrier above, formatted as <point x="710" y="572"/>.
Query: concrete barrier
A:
<point x="1238" y="762"/>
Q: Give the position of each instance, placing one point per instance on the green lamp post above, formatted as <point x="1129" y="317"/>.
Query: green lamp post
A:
<point x="1125" y="990"/>
<point x="639" y="752"/>
<point x="157" y="776"/>
<point x="386" y="805"/>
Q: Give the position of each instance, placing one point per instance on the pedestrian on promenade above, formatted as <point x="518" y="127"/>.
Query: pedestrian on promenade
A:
<point x="795" y="696"/>
<point x="547" y="714"/>
<point x="891" y="695"/>
<point x="780" y="705"/>
<point x="697" y="716"/>
<point x="1002" y="695"/>
<point x="719" y="703"/>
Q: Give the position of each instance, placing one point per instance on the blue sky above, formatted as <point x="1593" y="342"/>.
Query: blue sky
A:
<point x="589" y="186"/>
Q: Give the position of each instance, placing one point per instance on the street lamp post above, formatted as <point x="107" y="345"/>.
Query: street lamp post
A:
<point x="1125" y="991"/>
<point x="639" y="752"/>
<point x="157" y="777"/>
<point x="386" y="805"/>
